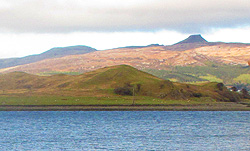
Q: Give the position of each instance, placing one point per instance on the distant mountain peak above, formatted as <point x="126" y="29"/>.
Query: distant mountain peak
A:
<point x="193" y="39"/>
<point x="56" y="52"/>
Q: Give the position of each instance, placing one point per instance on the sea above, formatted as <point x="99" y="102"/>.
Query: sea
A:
<point x="124" y="130"/>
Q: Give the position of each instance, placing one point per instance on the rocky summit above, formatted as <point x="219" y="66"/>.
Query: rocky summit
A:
<point x="193" y="39"/>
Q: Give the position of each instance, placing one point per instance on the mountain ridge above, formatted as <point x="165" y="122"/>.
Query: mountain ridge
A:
<point x="149" y="57"/>
<point x="52" y="53"/>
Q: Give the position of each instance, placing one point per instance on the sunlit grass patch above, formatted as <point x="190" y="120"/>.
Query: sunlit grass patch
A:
<point x="211" y="78"/>
<point x="243" y="78"/>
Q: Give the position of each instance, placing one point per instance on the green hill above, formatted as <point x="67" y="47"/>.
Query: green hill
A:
<point x="110" y="81"/>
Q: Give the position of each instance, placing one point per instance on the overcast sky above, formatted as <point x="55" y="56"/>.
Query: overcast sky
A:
<point x="34" y="26"/>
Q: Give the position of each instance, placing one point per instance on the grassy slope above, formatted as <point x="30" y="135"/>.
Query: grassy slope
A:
<point x="243" y="78"/>
<point x="96" y="87"/>
<point x="105" y="78"/>
<point x="228" y="74"/>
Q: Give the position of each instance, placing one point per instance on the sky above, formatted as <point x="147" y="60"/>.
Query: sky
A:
<point x="33" y="26"/>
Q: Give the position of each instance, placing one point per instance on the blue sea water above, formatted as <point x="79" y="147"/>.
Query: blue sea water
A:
<point x="124" y="130"/>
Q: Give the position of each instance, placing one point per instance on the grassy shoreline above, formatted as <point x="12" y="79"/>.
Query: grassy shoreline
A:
<point x="177" y="107"/>
<point x="115" y="103"/>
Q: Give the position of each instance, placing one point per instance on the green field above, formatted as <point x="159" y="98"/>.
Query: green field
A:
<point x="243" y="78"/>
<point x="228" y="74"/>
<point x="116" y="100"/>
<point x="211" y="78"/>
<point x="58" y="103"/>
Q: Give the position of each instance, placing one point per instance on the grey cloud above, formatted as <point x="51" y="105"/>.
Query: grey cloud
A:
<point x="72" y="16"/>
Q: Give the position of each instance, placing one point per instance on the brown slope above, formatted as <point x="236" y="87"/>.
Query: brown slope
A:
<point x="227" y="53"/>
<point x="52" y="53"/>
<point x="148" y="57"/>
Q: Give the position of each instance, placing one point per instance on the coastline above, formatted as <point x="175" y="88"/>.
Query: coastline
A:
<point x="222" y="107"/>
